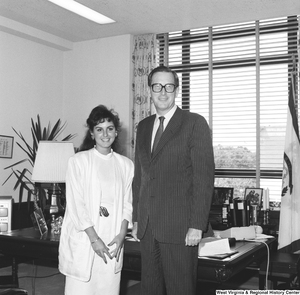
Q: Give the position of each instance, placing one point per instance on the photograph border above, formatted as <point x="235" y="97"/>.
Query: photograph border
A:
<point x="249" y="198"/>
<point x="6" y="146"/>
<point x="219" y="196"/>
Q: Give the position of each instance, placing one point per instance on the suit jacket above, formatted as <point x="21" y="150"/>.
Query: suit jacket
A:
<point x="173" y="188"/>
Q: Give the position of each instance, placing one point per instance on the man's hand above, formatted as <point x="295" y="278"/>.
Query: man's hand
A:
<point x="134" y="231"/>
<point x="193" y="237"/>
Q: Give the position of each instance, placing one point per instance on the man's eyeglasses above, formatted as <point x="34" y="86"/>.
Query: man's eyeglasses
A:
<point x="157" y="87"/>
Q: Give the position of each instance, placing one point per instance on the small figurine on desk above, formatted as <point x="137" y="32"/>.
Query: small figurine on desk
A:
<point x="56" y="224"/>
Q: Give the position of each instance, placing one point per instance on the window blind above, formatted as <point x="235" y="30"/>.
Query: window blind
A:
<point x="237" y="77"/>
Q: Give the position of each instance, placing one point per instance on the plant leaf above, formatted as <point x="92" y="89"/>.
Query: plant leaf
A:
<point x="7" y="178"/>
<point x="28" y="198"/>
<point x="19" y="178"/>
<point x="56" y="130"/>
<point x="35" y="144"/>
<point x="22" y="161"/>
<point x="39" y="128"/>
<point x="69" y="137"/>
<point x="29" y="149"/>
<point x="37" y="133"/>
<point x="22" y="179"/>
<point x="29" y="154"/>
<point x="21" y="193"/>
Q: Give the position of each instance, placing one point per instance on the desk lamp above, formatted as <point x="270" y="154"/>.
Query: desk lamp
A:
<point x="50" y="166"/>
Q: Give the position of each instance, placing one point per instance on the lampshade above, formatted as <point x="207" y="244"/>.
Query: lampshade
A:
<point x="51" y="161"/>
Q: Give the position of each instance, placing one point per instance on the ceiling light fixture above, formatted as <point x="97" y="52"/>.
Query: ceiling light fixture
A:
<point x="84" y="11"/>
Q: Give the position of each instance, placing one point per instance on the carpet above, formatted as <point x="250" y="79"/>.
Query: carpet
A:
<point x="38" y="279"/>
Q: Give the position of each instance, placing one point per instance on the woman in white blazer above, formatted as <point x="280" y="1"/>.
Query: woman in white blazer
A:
<point x="98" y="210"/>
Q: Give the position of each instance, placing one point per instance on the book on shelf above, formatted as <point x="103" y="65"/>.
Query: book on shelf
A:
<point x="242" y="212"/>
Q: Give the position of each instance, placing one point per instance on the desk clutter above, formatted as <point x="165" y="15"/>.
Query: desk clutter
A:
<point x="222" y="244"/>
<point x="241" y="211"/>
<point x="216" y="247"/>
<point x="239" y="233"/>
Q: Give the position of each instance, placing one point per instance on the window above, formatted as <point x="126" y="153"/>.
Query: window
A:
<point x="237" y="77"/>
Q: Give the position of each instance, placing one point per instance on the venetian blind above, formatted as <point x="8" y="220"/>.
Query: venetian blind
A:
<point x="237" y="77"/>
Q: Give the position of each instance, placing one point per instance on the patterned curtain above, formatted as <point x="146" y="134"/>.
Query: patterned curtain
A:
<point x="144" y="60"/>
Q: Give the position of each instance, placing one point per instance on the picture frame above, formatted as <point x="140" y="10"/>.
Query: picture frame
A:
<point x="39" y="221"/>
<point x="254" y="196"/>
<point x="6" y="146"/>
<point x="222" y="195"/>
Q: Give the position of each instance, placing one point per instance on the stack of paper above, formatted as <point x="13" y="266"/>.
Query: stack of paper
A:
<point x="213" y="246"/>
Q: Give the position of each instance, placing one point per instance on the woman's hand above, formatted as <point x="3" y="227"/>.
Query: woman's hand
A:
<point x="118" y="241"/>
<point x="101" y="249"/>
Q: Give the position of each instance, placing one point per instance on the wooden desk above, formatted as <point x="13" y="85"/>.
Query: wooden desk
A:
<point x="209" y="269"/>
<point x="27" y="243"/>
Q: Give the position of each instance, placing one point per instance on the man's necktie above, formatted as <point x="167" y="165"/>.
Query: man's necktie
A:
<point x="158" y="134"/>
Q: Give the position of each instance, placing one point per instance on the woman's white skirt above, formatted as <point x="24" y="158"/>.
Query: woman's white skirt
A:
<point x="104" y="280"/>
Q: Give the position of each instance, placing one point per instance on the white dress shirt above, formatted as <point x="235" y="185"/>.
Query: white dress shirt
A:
<point x="167" y="119"/>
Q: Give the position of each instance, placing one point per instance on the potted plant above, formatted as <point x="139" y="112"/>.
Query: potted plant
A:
<point x="23" y="175"/>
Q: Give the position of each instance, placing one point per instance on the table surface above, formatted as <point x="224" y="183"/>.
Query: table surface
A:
<point x="29" y="243"/>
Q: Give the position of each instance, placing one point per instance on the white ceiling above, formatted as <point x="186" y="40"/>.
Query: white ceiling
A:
<point x="140" y="16"/>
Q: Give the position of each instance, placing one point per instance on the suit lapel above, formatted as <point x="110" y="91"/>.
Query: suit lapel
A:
<point x="168" y="133"/>
<point x="147" y="136"/>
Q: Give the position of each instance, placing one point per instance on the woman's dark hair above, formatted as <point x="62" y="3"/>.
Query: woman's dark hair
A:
<point x="99" y="114"/>
<point x="165" y="70"/>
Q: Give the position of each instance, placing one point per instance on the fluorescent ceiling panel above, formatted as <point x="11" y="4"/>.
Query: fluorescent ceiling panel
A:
<point x="83" y="11"/>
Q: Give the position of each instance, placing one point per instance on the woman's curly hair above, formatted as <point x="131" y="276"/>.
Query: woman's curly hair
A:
<point x="99" y="114"/>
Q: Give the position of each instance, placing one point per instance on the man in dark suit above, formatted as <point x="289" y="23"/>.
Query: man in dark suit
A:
<point x="172" y="190"/>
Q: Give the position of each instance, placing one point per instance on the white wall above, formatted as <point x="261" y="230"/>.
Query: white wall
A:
<point x="31" y="83"/>
<point x="99" y="72"/>
<point x="36" y="79"/>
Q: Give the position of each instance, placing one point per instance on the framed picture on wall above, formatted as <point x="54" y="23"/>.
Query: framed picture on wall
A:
<point x="254" y="195"/>
<point x="6" y="146"/>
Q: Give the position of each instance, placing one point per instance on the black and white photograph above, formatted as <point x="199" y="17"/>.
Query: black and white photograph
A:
<point x="254" y="195"/>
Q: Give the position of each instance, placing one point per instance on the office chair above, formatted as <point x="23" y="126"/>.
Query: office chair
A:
<point x="283" y="267"/>
<point x="13" y="291"/>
